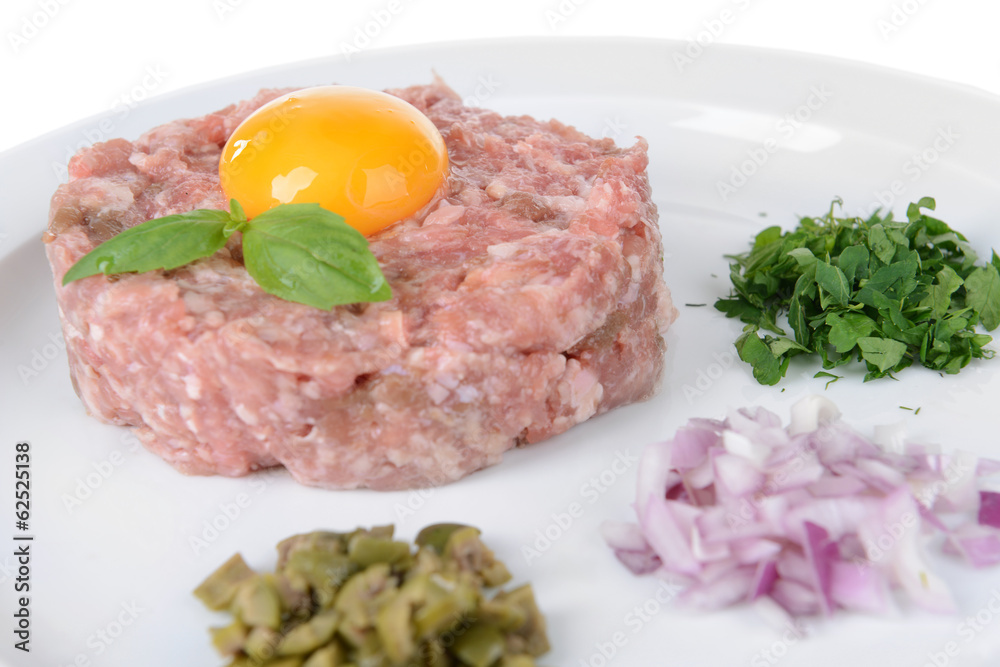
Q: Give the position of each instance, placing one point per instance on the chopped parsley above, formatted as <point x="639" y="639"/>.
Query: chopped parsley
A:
<point x="883" y="292"/>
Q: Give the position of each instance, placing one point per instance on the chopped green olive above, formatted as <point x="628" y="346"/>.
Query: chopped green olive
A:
<point x="533" y="632"/>
<point x="365" y="550"/>
<point x="287" y="661"/>
<point x="517" y="661"/>
<point x="469" y="554"/>
<point x="436" y="536"/>
<point x="504" y="615"/>
<point x="257" y="602"/>
<point x="293" y="590"/>
<point x="446" y="604"/>
<point x="324" y="571"/>
<point x="479" y="646"/>
<point x="363" y="599"/>
<point x="356" y="602"/>
<point x="309" y="636"/>
<point x="330" y="655"/>
<point x="260" y="644"/>
<point x="334" y="543"/>
<point x="229" y="640"/>
<point x="219" y="589"/>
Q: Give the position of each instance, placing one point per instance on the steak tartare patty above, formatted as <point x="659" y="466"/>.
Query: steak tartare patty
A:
<point x="527" y="297"/>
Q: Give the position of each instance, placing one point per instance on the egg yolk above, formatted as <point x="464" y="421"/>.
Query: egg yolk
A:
<point x="365" y="155"/>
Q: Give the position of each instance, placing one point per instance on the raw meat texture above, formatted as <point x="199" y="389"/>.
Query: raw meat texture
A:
<point x="527" y="297"/>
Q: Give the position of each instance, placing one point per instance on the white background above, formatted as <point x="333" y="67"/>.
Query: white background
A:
<point x="63" y="60"/>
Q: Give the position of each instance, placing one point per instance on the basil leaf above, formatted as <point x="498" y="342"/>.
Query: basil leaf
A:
<point x="161" y="243"/>
<point x="306" y="254"/>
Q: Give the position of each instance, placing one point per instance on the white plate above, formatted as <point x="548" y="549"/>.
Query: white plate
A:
<point x="111" y="575"/>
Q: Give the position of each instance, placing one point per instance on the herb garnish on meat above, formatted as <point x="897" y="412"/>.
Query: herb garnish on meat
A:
<point x="298" y="252"/>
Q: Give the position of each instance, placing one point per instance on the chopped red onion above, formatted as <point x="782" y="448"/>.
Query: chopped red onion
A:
<point x="989" y="508"/>
<point x="812" y="517"/>
<point x="980" y="545"/>
<point x="763" y="579"/>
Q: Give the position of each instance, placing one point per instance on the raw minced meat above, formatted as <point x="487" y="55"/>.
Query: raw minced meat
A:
<point x="527" y="297"/>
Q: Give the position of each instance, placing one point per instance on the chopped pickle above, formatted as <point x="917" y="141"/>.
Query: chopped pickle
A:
<point x="218" y="591"/>
<point x="363" y="599"/>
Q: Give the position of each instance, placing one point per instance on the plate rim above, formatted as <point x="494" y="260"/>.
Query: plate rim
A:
<point x="535" y="42"/>
<point x="391" y="53"/>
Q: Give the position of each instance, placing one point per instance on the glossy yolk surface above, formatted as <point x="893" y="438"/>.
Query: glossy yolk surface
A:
<point x="365" y="155"/>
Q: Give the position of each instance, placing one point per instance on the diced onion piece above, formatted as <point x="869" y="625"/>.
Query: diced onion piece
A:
<point x="812" y="412"/>
<point x="989" y="508"/>
<point x="808" y="518"/>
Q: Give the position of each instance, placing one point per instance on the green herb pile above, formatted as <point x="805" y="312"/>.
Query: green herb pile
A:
<point x="364" y="599"/>
<point x="885" y="292"/>
<point x="298" y="252"/>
